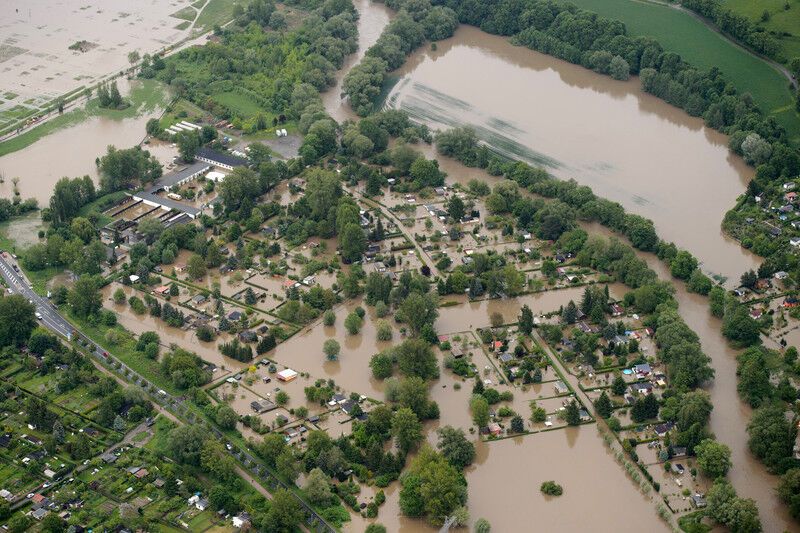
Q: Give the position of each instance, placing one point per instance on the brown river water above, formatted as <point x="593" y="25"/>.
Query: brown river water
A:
<point x="627" y="146"/>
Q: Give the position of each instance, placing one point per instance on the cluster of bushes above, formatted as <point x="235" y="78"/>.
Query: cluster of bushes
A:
<point x="415" y="23"/>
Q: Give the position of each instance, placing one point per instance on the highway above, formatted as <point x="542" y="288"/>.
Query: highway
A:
<point x="20" y="285"/>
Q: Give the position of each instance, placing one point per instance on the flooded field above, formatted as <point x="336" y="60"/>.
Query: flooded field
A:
<point x="38" y="64"/>
<point x="628" y="146"/>
<point x="71" y="152"/>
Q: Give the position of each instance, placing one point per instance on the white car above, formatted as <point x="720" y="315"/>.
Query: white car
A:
<point x="38" y="315"/>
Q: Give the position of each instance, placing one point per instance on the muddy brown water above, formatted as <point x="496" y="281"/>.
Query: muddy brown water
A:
<point x="71" y="152"/>
<point x="373" y="17"/>
<point x="626" y="145"/>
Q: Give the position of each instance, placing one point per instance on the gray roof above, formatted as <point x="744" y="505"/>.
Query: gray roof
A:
<point x="166" y="202"/>
<point x="222" y="158"/>
<point x="168" y="180"/>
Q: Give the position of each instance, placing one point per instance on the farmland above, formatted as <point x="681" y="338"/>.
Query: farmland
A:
<point x="699" y="45"/>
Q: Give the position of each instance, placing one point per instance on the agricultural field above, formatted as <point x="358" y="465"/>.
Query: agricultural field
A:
<point x="781" y="21"/>
<point x="701" y="46"/>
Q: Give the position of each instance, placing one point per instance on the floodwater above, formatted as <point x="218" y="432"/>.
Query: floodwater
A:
<point x="374" y="16"/>
<point x="627" y="146"/>
<point x="71" y="152"/>
<point x="730" y="416"/>
<point x="37" y="62"/>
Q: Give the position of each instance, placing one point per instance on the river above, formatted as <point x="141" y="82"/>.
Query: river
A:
<point x="626" y="145"/>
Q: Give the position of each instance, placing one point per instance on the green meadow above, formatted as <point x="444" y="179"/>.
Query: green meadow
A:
<point x="701" y="46"/>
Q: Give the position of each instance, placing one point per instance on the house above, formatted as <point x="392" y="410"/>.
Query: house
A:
<point x="788" y="186"/>
<point x="679" y="451"/>
<point x="39" y="513"/>
<point x="678" y="469"/>
<point x="37" y="499"/>
<point x="505" y="357"/>
<point x="108" y="458"/>
<point x="663" y="429"/>
<point x="287" y="375"/>
<point x="248" y="336"/>
<point x="457" y="351"/>
<point x="49" y="474"/>
<point x="781" y="275"/>
<point x="132" y="470"/>
<point x="791" y="301"/>
<point x="698" y="501"/>
<point x="201" y="505"/>
<point x="242" y="520"/>
<point x="161" y="291"/>
<point x="290" y="284"/>
<point x="5" y="440"/>
<point x="158" y="483"/>
<point x="235" y="316"/>
<point x="642" y="371"/>
<point x="620" y="340"/>
<point x="133" y="278"/>
<point x="641" y="388"/>
<point x="561" y="387"/>
<point x="262" y="406"/>
<point x="795" y="241"/>
<point x="790" y="196"/>
<point x="584" y="415"/>
<point x="584" y="327"/>
<point x="142" y="473"/>
<point x="7" y="496"/>
<point x="617" y="310"/>
<point x="199" y="299"/>
<point x="756" y="312"/>
<point x="495" y="430"/>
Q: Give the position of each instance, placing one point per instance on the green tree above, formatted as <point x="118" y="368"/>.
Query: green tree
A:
<point x="196" y="267"/>
<point x="186" y="443"/>
<point x="353" y="243"/>
<point x="317" y="488"/>
<point x="285" y="513"/>
<point x="788" y="491"/>
<point x="188" y="143"/>
<point x="482" y="526"/>
<point x="603" y="405"/>
<point x="431" y="487"/>
<point x="416" y="358"/>
<point x="331" y="348"/>
<point x="353" y="323"/>
<point x="572" y="414"/>
<point x="419" y="310"/>
<point x="525" y="320"/>
<point x="771" y="436"/>
<point x="17" y="320"/>
<point x="455" y="447"/>
<point x="713" y="458"/>
<point x="754" y="386"/>
<point x="84" y="297"/>
<point x="683" y="265"/>
<point x="406" y="429"/>
<point x="480" y="410"/>
<point x="456" y="208"/>
<point x="226" y="417"/>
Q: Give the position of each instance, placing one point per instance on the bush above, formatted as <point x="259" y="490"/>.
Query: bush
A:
<point x="551" y="488"/>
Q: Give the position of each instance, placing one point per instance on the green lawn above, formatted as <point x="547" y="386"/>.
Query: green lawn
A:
<point x="216" y="12"/>
<point x="146" y="96"/>
<point x="701" y="46"/>
<point x="780" y="20"/>
<point x="241" y="105"/>
<point x="187" y="13"/>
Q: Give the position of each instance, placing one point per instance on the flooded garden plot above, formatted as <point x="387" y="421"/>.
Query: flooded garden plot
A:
<point x="183" y="337"/>
<point x="303" y="352"/>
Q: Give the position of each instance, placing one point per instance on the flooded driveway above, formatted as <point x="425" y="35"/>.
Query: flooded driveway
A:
<point x="626" y="145"/>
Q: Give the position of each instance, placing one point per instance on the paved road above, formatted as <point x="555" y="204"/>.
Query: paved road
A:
<point x="19" y="284"/>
